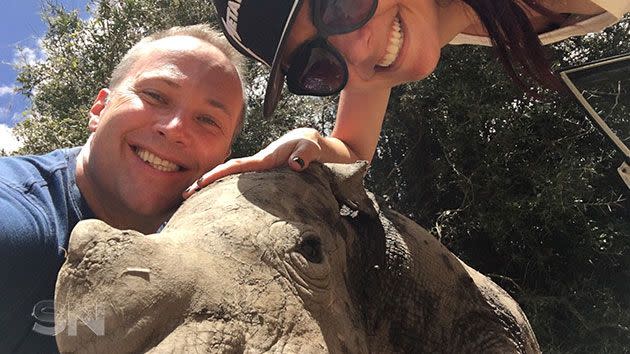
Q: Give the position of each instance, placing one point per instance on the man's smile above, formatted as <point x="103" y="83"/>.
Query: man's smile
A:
<point x="155" y="161"/>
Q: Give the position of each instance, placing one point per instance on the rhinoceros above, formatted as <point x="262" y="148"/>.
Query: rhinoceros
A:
<point x="281" y="262"/>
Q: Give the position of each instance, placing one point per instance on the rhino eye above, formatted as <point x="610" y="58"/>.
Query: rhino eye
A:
<point x="311" y="249"/>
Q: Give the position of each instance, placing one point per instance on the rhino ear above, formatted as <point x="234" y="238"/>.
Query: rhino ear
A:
<point x="347" y="186"/>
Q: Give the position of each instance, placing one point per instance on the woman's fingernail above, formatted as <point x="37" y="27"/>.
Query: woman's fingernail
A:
<point x="299" y="161"/>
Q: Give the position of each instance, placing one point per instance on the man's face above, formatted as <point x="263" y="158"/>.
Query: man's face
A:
<point x="170" y="120"/>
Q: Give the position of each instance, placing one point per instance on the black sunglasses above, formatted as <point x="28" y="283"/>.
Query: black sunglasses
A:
<point x="316" y="67"/>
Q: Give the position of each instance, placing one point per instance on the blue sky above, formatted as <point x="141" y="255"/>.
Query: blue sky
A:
<point x="20" y="25"/>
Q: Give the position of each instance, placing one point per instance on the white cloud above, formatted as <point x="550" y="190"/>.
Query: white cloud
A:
<point x="8" y="141"/>
<point x="25" y="56"/>
<point x="7" y="90"/>
<point x="29" y="56"/>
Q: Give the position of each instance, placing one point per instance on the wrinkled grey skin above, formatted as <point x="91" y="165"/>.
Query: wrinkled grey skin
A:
<point x="282" y="262"/>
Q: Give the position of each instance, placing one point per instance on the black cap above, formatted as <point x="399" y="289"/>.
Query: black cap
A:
<point x="259" y="30"/>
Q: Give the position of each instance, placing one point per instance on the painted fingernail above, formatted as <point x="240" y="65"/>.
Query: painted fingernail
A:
<point x="299" y="161"/>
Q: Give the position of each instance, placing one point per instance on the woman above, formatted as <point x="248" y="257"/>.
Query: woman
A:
<point x="365" y="47"/>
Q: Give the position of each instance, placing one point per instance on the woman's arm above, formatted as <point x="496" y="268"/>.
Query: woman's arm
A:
<point x="359" y="120"/>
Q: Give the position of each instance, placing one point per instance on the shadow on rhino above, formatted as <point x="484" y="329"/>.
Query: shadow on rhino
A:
<point x="281" y="262"/>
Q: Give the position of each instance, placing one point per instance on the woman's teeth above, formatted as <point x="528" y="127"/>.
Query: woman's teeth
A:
<point x="156" y="162"/>
<point x="394" y="45"/>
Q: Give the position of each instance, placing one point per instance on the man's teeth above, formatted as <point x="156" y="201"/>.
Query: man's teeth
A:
<point x="156" y="162"/>
<point x="394" y="45"/>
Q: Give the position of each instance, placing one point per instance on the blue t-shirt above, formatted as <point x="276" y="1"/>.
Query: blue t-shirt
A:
<point x="40" y="203"/>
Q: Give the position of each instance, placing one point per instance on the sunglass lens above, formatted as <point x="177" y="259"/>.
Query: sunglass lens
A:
<point x="317" y="71"/>
<point x="342" y="16"/>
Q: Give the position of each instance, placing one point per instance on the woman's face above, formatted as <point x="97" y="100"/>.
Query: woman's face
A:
<point x="381" y="53"/>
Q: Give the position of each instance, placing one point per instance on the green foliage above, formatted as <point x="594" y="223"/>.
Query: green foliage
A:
<point x="523" y="190"/>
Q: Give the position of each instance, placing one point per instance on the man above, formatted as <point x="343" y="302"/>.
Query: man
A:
<point x="170" y="113"/>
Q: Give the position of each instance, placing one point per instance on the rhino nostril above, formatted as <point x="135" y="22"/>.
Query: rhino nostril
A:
<point x="311" y="249"/>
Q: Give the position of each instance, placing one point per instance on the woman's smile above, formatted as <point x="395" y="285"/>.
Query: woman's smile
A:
<point x="396" y="39"/>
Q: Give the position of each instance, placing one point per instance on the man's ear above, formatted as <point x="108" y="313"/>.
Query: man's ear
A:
<point x="97" y="107"/>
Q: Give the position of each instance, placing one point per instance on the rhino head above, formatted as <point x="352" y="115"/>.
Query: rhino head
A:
<point x="280" y="262"/>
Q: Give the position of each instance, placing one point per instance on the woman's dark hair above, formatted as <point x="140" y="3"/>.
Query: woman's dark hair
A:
<point x="516" y="42"/>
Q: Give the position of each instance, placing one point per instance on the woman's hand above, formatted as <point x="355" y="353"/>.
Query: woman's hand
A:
<point x="297" y="148"/>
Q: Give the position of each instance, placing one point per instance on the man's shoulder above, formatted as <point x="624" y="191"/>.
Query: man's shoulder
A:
<point x="36" y="192"/>
<point x="24" y="171"/>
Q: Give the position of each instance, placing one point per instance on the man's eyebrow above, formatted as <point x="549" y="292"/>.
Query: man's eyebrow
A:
<point x="165" y="80"/>
<point x="219" y="105"/>
<point x="171" y="83"/>
<point x="166" y="76"/>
